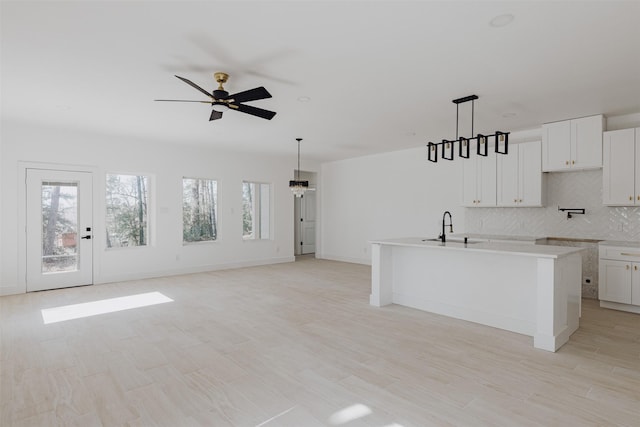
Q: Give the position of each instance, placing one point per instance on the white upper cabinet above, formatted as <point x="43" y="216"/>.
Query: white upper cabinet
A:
<point x="572" y="144"/>
<point x="479" y="179"/>
<point x="621" y="168"/>
<point x="519" y="176"/>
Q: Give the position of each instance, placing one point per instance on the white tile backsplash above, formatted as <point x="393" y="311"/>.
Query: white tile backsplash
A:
<point x="580" y="189"/>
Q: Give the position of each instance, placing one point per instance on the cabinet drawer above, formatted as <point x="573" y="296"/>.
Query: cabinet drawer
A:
<point x="620" y="253"/>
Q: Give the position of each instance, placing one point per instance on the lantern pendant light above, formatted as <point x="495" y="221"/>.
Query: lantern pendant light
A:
<point x="297" y="186"/>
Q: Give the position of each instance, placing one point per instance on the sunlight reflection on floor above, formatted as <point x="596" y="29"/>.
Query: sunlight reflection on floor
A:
<point x="77" y="311"/>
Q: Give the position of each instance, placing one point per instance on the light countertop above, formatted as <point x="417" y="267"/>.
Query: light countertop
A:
<point x="620" y="243"/>
<point x="539" y="251"/>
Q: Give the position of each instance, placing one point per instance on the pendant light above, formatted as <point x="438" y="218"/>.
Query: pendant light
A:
<point x="482" y="141"/>
<point x="298" y="187"/>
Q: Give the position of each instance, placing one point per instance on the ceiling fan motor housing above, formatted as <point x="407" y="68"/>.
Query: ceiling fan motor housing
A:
<point x="220" y="94"/>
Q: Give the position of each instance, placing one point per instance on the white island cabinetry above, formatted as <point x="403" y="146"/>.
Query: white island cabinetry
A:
<point x="529" y="289"/>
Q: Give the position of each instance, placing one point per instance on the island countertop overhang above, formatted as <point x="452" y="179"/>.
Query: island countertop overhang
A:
<point x="537" y="251"/>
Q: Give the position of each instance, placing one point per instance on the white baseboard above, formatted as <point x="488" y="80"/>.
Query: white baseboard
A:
<point x="123" y="277"/>
<point x="364" y="261"/>
<point x="128" y="276"/>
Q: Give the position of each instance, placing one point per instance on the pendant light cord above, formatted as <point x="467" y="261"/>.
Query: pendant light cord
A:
<point x="298" y="171"/>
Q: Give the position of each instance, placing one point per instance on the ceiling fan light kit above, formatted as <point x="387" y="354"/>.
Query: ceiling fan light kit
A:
<point x="447" y="147"/>
<point x="221" y="101"/>
<point x="297" y="186"/>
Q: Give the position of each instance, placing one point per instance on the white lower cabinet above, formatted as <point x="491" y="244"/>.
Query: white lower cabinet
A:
<point x="619" y="277"/>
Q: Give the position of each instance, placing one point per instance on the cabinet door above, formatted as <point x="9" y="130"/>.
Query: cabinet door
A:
<point x="508" y="171"/>
<point x="556" y="146"/>
<point x="586" y="142"/>
<point x="615" y="281"/>
<point x="530" y="176"/>
<point x="618" y="168"/>
<point x="469" y="181"/>
<point x="635" y="284"/>
<point x="637" y="186"/>
<point x="487" y="179"/>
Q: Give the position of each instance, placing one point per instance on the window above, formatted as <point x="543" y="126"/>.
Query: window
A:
<point x="255" y="210"/>
<point x="127" y="210"/>
<point x="199" y="210"/>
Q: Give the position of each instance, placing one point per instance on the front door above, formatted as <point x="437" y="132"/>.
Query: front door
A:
<point x="59" y="229"/>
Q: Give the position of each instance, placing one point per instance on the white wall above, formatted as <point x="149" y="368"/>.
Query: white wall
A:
<point x="166" y="164"/>
<point x="395" y="194"/>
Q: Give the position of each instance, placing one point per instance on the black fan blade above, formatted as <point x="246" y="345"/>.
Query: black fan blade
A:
<point x="215" y="115"/>
<point x="181" y="100"/>
<point x="251" y="95"/>
<point x="192" y="84"/>
<point x="254" y="111"/>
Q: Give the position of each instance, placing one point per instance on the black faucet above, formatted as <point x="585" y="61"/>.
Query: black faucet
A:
<point x="442" y="236"/>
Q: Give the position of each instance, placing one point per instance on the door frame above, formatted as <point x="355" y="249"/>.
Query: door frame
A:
<point x="314" y="182"/>
<point x="97" y="220"/>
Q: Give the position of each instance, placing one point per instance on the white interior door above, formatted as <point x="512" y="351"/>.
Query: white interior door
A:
<point x="59" y="229"/>
<point x="308" y="222"/>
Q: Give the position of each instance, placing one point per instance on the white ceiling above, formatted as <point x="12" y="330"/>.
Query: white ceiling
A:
<point x="380" y="74"/>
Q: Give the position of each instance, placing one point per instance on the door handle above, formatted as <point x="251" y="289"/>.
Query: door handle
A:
<point x="86" y="237"/>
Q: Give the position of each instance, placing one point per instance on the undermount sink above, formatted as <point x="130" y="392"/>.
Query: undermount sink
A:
<point x="453" y="240"/>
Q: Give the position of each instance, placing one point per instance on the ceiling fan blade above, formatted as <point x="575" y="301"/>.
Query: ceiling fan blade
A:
<point x="181" y="100"/>
<point x="251" y="95"/>
<point x="192" y="84"/>
<point x="254" y="111"/>
<point x="215" y="115"/>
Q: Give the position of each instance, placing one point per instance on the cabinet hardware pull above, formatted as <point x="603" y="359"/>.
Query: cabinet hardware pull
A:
<point x="566" y="162"/>
<point x="629" y="254"/>
<point x="515" y="200"/>
<point x="635" y="267"/>
<point x="573" y="162"/>
<point x="638" y="197"/>
<point x="630" y="197"/>
<point x="627" y="267"/>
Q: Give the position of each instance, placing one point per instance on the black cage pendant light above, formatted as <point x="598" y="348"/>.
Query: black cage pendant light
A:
<point x="297" y="186"/>
<point x="447" y="148"/>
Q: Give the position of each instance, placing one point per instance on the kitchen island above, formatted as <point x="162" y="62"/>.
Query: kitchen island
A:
<point x="529" y="289"/>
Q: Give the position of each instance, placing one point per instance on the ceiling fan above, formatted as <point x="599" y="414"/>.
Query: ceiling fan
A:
<point x="221" y="100"/>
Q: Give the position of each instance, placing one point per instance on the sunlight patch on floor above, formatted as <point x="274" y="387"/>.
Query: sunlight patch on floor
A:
<point x="111" y="305"/>
<point x="349" y="414"/>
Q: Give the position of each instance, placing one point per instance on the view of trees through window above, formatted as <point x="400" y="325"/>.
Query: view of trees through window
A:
<point x="59" y="226"/>
<point x="199" y="210"/>
<point x="127" y="210"/>
<point x="255" y="210"/>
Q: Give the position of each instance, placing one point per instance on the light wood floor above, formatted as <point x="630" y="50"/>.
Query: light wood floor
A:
<point x="295" y="344"/>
